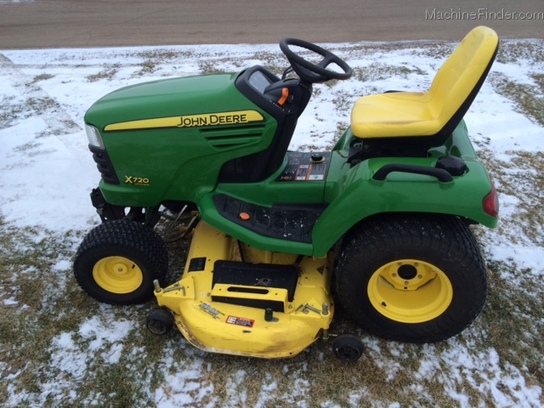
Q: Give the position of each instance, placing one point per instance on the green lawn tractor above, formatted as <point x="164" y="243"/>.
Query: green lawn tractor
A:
<point x="379" y="225"/>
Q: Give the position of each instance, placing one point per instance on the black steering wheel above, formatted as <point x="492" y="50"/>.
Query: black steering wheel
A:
<point x="310" y="72"/>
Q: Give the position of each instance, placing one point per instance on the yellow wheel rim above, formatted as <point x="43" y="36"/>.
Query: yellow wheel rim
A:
<point x="410" y="291"/>
<point x="117" y="274"/>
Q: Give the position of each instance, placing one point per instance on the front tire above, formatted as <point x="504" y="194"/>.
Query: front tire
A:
<point x="118" y="260"/>
<point x="411" y="278"/>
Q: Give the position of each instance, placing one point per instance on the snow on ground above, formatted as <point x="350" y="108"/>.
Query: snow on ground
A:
<point x="47" y="173"/>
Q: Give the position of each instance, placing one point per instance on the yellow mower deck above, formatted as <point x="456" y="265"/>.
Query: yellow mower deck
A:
<point x="258" y="319"/>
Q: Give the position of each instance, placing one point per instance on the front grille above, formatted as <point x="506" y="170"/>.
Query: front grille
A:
<point x="104" y="165"/>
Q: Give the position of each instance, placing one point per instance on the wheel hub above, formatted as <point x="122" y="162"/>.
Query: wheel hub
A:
<point x="120" y="268"/>
<point x="410" y="291"/>
<point x="117" y="274"/>
<point x="407" y="272"/>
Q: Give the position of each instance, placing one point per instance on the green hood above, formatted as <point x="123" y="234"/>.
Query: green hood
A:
<point x="165" y="98"/>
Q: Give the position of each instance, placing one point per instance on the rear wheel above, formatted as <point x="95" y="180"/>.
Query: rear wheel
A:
<point x="117" y="262"/>
<point x="412" y="278"/>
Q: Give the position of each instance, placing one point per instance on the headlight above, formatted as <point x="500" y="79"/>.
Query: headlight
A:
<point x="93" y="135"/>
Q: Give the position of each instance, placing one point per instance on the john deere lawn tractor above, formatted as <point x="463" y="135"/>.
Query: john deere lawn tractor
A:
<point x="379" y="225"/>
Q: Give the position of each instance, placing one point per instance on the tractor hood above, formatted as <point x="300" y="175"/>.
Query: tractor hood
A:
<point x="167" y="98"/>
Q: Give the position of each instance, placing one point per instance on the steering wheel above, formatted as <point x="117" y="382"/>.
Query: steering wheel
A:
<point x="310" y="72"/>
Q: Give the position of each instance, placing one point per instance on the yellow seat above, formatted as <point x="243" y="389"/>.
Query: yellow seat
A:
<point x="433" y="114"/>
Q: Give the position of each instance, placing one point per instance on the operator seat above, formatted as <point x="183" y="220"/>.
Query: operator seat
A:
<point x="429" y="118"/>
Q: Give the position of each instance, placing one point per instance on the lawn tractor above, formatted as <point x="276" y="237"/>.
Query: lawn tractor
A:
<point x="378" y="226"/>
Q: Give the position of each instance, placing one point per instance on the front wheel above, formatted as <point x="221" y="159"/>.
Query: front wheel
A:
<point x="413" y="278"/>
<point x="117" y="262"/>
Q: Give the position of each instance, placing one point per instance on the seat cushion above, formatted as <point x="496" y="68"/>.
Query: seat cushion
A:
<point x="394" y="114"/>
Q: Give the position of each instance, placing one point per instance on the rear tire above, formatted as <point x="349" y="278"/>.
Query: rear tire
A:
<point x="118" y="260"/>
<point x="411" y="278"/>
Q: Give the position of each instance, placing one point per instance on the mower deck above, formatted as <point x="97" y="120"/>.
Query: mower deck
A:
<point x="269" y="305"/>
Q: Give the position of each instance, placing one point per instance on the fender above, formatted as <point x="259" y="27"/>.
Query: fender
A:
<point x="357" y="195"/>
<point x="360" y="196"/>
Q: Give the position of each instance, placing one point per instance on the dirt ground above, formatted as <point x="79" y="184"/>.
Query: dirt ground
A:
<point x="27" y="24"/>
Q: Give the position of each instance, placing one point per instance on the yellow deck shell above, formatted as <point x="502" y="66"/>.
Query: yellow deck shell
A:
<point x="241" y="330"/>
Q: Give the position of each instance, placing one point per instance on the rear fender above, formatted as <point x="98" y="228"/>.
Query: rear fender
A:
<point x="358" y="195"/>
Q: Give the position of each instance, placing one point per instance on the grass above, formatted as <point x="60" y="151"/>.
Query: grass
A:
<point x="60" y="348"/>
<point x="520" y="332"/>
<point x="520" y="52"/>
<point x="106" y="74"/>
<point x="42" y="77"/>
<point x="11" y="111"/>
<point x="380" y="71"/>
<point x="209" y="68"/>
<point x="519" y="178"/>
<point x="529" y="98"/>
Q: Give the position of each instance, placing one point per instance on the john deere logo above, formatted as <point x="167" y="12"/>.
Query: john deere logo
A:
<point x="207" y="119"/>
<point x="214" y="119"/>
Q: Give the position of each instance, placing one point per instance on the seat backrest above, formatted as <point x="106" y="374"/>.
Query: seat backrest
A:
<point x="458" y="81"/>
